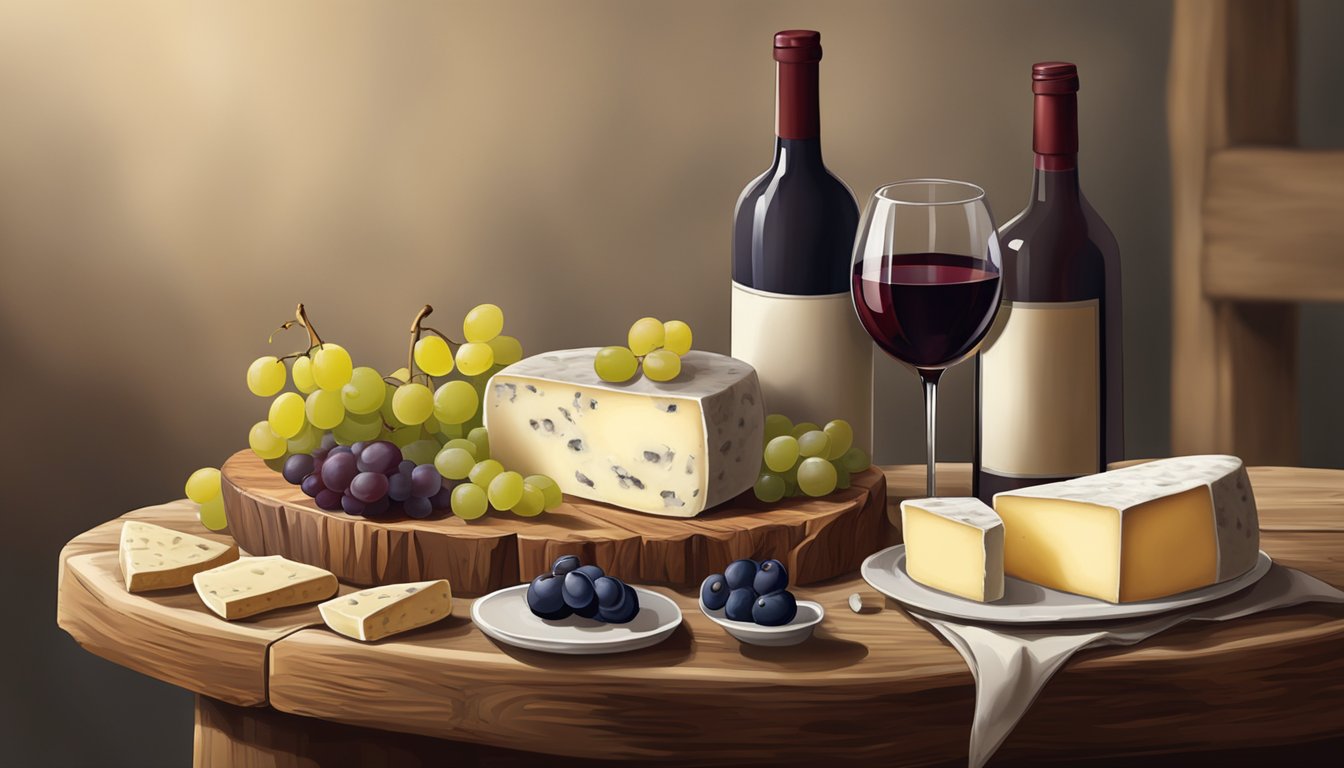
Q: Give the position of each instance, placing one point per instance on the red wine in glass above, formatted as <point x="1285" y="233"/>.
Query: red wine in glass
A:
<point x="926" y="279"/>
<point x="929" y="310"/>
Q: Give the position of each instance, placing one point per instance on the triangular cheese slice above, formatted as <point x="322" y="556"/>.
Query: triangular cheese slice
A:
<point x="955" y="545"/>
<point x="255" y="585"/>
<point x="154" y="557"/>
<point x="381" y="611"/>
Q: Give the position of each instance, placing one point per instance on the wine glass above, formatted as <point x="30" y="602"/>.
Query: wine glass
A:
<point x="926" y="278"/>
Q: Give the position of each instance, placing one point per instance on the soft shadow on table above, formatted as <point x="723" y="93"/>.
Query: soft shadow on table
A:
<point x="674" y="650"/>
<point x="816" y="654"/>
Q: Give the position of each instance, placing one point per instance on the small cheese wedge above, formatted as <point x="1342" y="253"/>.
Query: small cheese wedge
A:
<point x="672" y="448"/>
<point x="376" y="613"/>
<point x="154" y="557"/>
<point x="1137" y="533"/>
<point x="955" y="545"/>
<point x="255" y="585"/>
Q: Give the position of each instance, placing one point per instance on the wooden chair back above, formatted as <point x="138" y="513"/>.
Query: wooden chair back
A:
<point x="1258" y="226"/>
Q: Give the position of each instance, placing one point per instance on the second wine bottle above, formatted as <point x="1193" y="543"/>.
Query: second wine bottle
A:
<point x="1049" y="394"/>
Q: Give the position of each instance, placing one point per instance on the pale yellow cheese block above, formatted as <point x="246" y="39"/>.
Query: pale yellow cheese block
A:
<point x="954" y="545"/>
<point x="1137" y="533"/>
<point x="154" y="557"/>
<point x="381" y="611"/>
<point x="255" y="585"/>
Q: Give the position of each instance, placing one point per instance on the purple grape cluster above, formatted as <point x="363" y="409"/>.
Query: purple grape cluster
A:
<point x="369" y="479"/>
<point x="751" y="591"/>
<point x="581" y="590"/>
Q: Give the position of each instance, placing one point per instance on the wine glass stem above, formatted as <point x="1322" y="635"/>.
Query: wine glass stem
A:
<point x="930" y="427"/>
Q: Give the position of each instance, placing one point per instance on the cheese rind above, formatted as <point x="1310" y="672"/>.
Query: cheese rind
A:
<point x="954" y="545"/>
<point x="154" y="557"/>
<point x="255" y="585"/>
<point x="671" y="448"/>
<point x="1138" y="533"/>
<point x="382" y="611"/>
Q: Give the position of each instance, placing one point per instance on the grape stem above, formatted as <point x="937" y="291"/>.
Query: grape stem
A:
<point x="285" y="327"/>
<point x="301" y="315"/>
<point x="424" y="312"/>
<point x="441" y="335"/>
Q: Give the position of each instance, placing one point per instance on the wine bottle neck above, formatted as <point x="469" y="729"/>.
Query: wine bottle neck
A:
<point x="1054" y="135"/>
<point x="1055" y="185"/>
<point x="797" y="152"/>
<point x="797" y="107"/>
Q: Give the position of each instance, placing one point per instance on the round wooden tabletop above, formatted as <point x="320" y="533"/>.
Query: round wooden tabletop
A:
<point x="871" y="688"/>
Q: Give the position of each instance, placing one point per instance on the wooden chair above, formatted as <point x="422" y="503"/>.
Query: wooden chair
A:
<point x="1257" y="226"/>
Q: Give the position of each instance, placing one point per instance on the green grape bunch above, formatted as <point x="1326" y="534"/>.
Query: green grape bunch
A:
<point x="435" y="398"/>
<point x="424" y="408"/>
<point x="655" y="346"/>
<point x="805" y="458"/>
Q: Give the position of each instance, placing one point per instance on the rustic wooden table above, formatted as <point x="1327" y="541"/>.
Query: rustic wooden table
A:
<point x="871" y="689"/>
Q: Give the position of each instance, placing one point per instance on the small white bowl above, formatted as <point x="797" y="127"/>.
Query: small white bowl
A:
<point x="809" y="616"/>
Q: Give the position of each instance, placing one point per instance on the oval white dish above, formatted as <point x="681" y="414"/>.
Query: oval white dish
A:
<point x="504" y="616"/>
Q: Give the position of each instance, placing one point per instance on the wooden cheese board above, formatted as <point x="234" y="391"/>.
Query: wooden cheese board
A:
<point x="817" y="539"/>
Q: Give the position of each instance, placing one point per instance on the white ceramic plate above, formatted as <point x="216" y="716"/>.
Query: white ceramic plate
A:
<point x="1027" y="603"/>
<point x="504" y="616"/>
<point x="809" y="616"/>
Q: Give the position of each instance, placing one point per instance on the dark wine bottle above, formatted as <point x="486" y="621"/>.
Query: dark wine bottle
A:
<point x="793" y="237"/>
<point x="1049" y="395"/>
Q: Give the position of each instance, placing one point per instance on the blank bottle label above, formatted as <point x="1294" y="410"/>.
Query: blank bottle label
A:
<point x="814" y="360"/>
<point x="1039" y="379"/>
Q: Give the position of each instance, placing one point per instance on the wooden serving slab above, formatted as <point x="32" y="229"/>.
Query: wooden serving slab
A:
<point x="816" y="539"/>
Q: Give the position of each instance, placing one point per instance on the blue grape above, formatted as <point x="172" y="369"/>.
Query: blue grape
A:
<point x="775" y="609"/>
<point x="297" y="467"/>
<point x="610" y="593"/>
<point x="417" y="507"/>
<point x="328" y="441"/>
<point x="545" y="597"/>
<point x="714" y="591"/>
<point x="406" y="467"/>
<point x="771" y="578"/>
<point x="369" y="487"/>
<point x="358" y="447"/>
<point x="328" y="499"/>
<point x="627" y="611"/>
<point x="564" y="564"/>
<point x="312" y="485"/>
<point x="399" y="487"/>
<point x="352" y="505"/>
<point x="580" y="595"/>
<point x="338" y="449"/>
<point x="425" y="481"/>
<point x="338" y="470"/>
<point x="379" y="507"/>
<point x="738" y="607"/>
<point x="379" y="456"/>
<point x="591" y="571"/>
<point x="740" y="573"/>
<point x="320" y="454"/>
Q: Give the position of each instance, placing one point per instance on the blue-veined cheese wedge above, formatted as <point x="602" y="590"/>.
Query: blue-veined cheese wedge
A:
<point x="673" y="448"/>
<point x="1137" y="533"/>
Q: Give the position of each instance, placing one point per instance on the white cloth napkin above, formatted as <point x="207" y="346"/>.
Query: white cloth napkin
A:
<point x="1012" y="664"/>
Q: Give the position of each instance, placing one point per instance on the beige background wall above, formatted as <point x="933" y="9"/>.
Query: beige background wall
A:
<point x="175" y="175"/>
